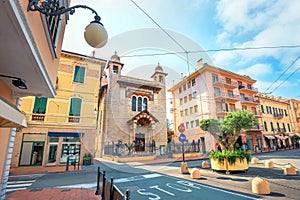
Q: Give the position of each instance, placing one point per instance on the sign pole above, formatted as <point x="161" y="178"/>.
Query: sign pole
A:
<point x="183" y="160"/>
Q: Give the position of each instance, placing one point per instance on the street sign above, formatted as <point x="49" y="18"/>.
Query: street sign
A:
<point x="181" y="128"/>
<point x="182" y="137"/>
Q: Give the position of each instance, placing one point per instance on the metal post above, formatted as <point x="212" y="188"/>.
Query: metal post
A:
<point x="183" y="152"/>
<point x="127" y="197"/>
<point x="68" y="159"/>
<point x="103" y="187"/>
<point x="98" y="183"/>
<point x="111" y="188"/>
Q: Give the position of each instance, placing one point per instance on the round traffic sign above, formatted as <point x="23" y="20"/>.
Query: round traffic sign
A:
<point x="181" y="128"/>
<point x="182" y="137"/>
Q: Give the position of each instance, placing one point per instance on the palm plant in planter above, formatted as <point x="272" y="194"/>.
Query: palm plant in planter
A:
<point x="226" y="134"/>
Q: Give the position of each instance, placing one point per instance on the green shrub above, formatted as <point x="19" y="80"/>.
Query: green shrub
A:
<point x="231" y="156"/>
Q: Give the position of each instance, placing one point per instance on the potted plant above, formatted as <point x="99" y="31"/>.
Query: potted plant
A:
<point x="226" y="134"/>
<point x="87" y="159"/>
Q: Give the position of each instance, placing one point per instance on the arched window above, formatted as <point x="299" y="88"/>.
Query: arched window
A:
<point x="265" y="124"/>
<point x="140" y="106"/>
<point x="133" y="104"/>
<point x="145" y="104"/>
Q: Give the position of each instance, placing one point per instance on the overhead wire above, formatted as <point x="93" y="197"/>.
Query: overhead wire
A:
<point x="282" y="74"/>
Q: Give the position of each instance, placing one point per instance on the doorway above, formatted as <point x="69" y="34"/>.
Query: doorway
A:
<point x="140" y="142"/>
<point x="32" y="154"/>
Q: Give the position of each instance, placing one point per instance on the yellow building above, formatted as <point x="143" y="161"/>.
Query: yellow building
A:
<point x="295" y="115"/>
<point x="276" y="121"/>
<point x="65" y="125"/>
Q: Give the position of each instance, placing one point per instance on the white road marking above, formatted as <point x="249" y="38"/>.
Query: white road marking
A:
<point x="137" y="178"/>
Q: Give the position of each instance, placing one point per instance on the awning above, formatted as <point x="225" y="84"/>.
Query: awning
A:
<point x="270" y="137"/>
<point x="282" y="137"/>
<point x="10" y="117"/>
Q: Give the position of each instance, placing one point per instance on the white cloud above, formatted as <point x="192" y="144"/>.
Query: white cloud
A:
<point x="257" y="70"/>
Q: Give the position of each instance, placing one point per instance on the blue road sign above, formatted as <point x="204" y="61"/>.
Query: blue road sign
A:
<point x="182" y="137"/>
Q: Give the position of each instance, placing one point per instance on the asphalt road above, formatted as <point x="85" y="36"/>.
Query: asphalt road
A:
<point x="163" y="181"/>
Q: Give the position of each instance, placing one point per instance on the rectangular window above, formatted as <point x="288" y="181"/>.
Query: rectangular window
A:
<point x="40" y="105"/>
<point x="289" y="128"/>
<point x="215" y="78"/>
<point x="186" y="112"/>
<point x="267" y="108"/>
<point x="180" y="90"/>
<point x="191" y="110"/>
<point x="184" y="87"/>
<point x="190" y="97"/>
<point x="195" y="95"/>
<point x="193" y="82"/>
<point x="187" y="125"/>
<point x="265" y="125"/>
<point x="232" y="107"/>
<point x="75" y="107"/>
<point x="79" y="74"/>
<point x="181" y="101"/>
<point x="189" y="85"/>
<point x="53" y="22"/>
<point x="228" y="80"/>
<point x="230" y="93"/>
<point x="185" y="99"/>
<point x="285" y="112"/>
<point x="249" y="86"/>
<point x="195" y="108"/>
<point x="217" y="92"/>
<point x="181" y="113"/>
<point x="197" y="122"/>
<point x="262" y="108"/>
<point x="272" y="127"/>
<point x="244" y="107"/>
<point x="192" y="124"/>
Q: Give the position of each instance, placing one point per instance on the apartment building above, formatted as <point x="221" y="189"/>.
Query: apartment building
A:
<point x="276" y="121"/>
<point x="29" y="52"/>
<point x="295" y="115"/>
<point x="212" y="92"/>
<point x="63" y="126"/>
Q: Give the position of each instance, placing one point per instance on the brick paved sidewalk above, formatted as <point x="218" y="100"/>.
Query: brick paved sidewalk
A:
<point x="53" y="194"/>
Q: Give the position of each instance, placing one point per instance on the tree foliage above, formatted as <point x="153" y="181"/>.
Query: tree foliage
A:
<point x="227" y="133"/>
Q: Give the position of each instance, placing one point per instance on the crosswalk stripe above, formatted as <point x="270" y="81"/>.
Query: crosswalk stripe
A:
<point x="17" y="182"/>
<point x="14" y="189"/>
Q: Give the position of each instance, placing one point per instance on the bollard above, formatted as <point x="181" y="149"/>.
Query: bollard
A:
<point x="289" y="169"/>
<point x="98" y="185"/>
<point x="269" y="164"/>
<point x="67" y="164"/>
<point x="184" y="168"/>
<point x="127" y="197"/>
<point x="205" y="165"/>
<point x="111" y="195"/>
<point x="254" y="160"/>
<point x="103" y="187"/>
<point x="260" y="186"/>
<point x="195" y="173"/>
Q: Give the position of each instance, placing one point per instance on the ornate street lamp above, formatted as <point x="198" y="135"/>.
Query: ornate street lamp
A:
<point x="94" y="34"/>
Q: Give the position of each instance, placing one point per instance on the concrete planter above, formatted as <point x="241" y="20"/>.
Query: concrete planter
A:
<point x="225" y="166"/>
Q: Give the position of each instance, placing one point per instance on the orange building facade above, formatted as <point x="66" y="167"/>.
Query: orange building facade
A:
<point x="30" y="51"/>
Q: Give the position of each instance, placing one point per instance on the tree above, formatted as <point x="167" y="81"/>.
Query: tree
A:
<point x="227" y="133"/>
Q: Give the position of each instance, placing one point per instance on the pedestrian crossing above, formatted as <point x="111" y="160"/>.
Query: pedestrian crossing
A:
<point x="21" y="182"/>
<point x="18" y="185"/>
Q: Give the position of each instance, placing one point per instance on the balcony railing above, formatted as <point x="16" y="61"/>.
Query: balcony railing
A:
<point x="248" y="88"/>
<point x="226" y="95"/>
<point x="278" y="116"/>
<point x="248" y="99"/>
<point x="223" y="81"/>
<point x="74" y="119"/>
<point x="38" y="117"/>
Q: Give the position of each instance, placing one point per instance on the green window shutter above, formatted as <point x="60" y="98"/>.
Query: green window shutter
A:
<point x="75" y="107"/>
<point x="40" y="105"/>
<point x="79" y="74"/>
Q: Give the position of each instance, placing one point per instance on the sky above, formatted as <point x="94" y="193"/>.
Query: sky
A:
<point x="198" y="27"/>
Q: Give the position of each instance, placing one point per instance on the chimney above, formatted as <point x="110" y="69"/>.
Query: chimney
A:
<point x="200" y="63"/>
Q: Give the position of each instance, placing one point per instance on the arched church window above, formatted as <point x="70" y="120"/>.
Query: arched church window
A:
<point x="133" y="103"/>
<point x="145" y="104"/>
<point x="140" y="106"/>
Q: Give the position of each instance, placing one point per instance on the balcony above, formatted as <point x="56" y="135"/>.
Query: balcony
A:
<point x="74" y="119"/>
<point x="38" y="117"/>
<point x="245" y="88"/>
<point x="280" y="130"/>
<point x="249" y="100"/>
<point x="256" y="128"/>
<point x="226" y="97"/>
<point x="228" y="84"/>
<point x="277" y="116"/>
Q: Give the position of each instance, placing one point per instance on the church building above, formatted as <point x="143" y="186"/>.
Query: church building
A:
<point x="132" y="111"/>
